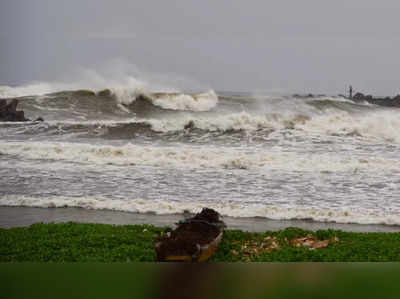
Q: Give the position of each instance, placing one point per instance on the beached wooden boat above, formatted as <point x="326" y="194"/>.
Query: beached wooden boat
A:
<point x="204" y="252"/>
<point x="194" y="240"/>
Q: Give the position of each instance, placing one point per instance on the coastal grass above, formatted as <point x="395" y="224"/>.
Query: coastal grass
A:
<point x="81" y="242"/>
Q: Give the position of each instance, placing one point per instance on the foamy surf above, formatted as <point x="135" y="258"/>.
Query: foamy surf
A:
<point x="382" y="125"/>
<point x="126" y="145"/>
<point x="164" y="206"/>
<point x="177" y="111"/>
<point x="198" y="157"/>
<point x="186" y="102"/>
<point x="168" y="100"/>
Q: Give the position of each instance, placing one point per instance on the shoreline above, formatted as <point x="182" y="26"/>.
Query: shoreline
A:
<point x="25" y="216"/>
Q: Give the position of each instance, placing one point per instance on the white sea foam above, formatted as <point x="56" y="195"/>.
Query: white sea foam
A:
<point x="126" y="92"/>
<point x="196" y="102"/>
<point x="164" y="206"/>
<point x="245" y="121"/>
<point x="378" y="125"/>
<point x="198" y="157"/>
<point x="382" y="124"/>
<point x="172" y="99"/>
<point x="238" y="121"/>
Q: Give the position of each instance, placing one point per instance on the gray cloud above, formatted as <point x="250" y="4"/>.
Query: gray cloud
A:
<point x="292" y="46"/>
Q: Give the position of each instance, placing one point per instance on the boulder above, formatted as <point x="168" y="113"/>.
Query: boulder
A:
<point x="8" y="111"/>
<point x="3" y="103"/>
<point x="382" y="101"/>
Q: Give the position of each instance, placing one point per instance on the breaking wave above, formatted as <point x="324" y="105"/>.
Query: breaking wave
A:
<point x="170" y="101"/>
<point x="148" y="120"/>
<point x="163" y="207"/>
<point x="130" y="108"/>
<point x="196" y="157"/>
<point x="123" y="99"/>
<point x="382" y="125"/>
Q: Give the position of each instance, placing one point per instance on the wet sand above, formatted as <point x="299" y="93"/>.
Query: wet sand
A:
<point x="25" y="216"/>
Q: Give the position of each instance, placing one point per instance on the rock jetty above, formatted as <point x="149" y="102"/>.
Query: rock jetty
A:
<point x="382" y="101"/>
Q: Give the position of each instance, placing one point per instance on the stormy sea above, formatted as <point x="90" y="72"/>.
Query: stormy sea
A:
<point x="323" y="159"/>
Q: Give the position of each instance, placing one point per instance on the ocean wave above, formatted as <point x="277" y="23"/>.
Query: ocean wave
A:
<point x="170" y="100"/>
<point x="224" y="123"/>
<point x="187" y="123"/>
<point x="196" y="102"/>
<point x="162" y="207"/>
<point x="376" y="125"/>
<point x="183" y="156"/>
<point x="382" y="124"/>
<point x="165" y="112"/>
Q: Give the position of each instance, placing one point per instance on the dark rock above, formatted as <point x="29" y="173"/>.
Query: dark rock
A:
<point x="8" y="111"/>
<point x="12" y="107"/>
<point x="190" y="125"/>
<point x="39" y="119"/>
<point x="382" y="101"/>
<point x="20" y="116"/>
<point x="2" y="103"/>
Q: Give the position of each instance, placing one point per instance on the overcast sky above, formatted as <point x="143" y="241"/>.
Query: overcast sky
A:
<point x="278" y="46"/>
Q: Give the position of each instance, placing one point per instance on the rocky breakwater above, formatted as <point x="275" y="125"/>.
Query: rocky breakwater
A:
<point x="382" y="101"/>
<point x="9" y="112"/>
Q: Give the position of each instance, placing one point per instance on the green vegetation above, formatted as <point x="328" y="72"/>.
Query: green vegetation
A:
<point x="78" y="242"/>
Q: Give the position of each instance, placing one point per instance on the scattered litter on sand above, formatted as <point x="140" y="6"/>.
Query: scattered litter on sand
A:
<point x="312" y="243"/>
<point x="254" y="248"/>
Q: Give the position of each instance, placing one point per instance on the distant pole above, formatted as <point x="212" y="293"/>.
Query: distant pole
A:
<point x="351" y="92"/>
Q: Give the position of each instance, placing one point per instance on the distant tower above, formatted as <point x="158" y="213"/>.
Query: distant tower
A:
<point x="351" y="92"/>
